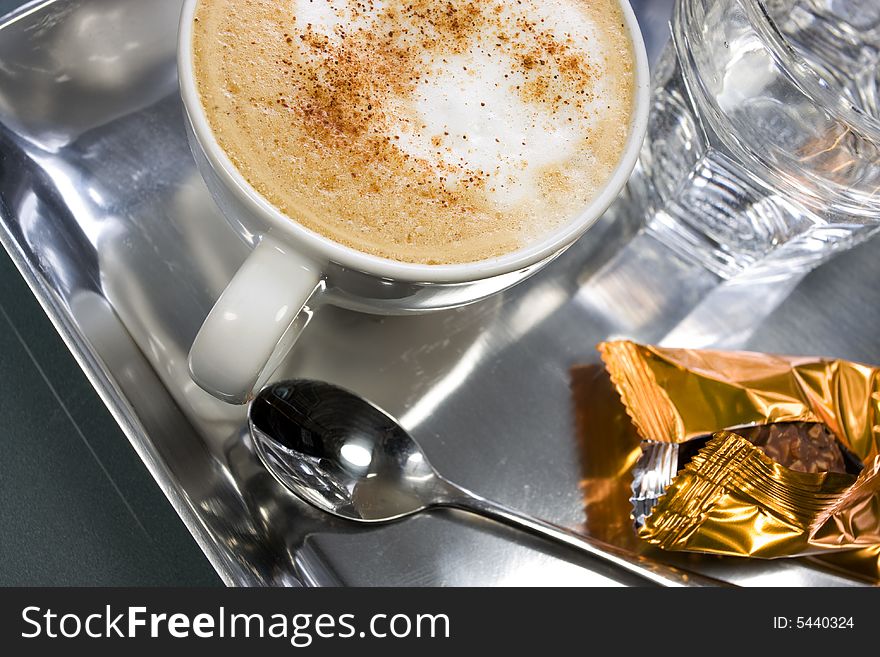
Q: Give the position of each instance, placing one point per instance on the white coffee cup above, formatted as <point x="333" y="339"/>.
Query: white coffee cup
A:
<point x="292" y="270"/>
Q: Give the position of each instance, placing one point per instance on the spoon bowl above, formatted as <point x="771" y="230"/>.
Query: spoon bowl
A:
<point x="342" y="453"/>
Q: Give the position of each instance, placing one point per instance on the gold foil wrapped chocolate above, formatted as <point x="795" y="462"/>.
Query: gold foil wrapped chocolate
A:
<point x="769" y="481"/>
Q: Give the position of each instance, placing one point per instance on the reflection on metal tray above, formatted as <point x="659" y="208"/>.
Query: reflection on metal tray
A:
<point x="103" y="212"/>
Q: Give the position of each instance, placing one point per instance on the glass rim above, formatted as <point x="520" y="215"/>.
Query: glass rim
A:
<point x="808" y="79"/>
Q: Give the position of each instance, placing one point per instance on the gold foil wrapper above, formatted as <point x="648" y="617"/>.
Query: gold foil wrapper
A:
<point x="731" y="498"/>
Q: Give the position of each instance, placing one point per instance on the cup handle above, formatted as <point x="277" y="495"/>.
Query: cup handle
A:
<point x="255" y="322"/>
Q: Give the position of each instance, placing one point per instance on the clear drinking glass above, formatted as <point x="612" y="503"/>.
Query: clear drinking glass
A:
<point x="763" y="147"/>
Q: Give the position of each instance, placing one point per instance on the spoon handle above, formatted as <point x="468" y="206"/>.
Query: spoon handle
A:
<point x="648" y="569"/>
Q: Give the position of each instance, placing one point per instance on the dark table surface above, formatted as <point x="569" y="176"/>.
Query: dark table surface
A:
<point x="77" y="506"/>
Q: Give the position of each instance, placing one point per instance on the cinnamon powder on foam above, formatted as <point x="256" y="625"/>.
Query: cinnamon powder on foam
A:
<point x="423" y="131"/>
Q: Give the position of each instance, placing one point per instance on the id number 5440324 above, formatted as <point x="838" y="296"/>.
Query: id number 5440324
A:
<point x="813" y="622"/>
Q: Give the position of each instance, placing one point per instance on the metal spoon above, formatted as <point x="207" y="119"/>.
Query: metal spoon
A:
<point x="348" y="457"/>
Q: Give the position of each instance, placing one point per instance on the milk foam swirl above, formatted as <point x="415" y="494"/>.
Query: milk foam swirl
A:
<point x="419" y="130"/>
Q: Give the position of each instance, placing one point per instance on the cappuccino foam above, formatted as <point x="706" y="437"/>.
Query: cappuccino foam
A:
<point x="423" y="131"/>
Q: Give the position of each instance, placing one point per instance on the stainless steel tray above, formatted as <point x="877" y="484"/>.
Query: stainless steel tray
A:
<point x="105" y="216"/>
